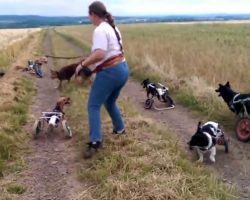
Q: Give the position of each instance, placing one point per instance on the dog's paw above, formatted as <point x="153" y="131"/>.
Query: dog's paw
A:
<point x="212" y="159"/>
<point x="199" y="160"/>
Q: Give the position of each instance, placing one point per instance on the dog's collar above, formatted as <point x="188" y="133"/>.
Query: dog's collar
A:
<point x="210" y="141"/>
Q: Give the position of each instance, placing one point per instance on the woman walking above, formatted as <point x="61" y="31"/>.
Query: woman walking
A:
<point x="111" y="74"/>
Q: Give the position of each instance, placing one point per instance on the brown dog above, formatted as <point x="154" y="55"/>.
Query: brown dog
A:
<point x="61" y="102"/>
<point x="54" y="119"/>
<point x="65" y="73"/>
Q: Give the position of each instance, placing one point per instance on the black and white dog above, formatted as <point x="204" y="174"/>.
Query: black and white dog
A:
<point x="205" y="139"/>
<point x="158" y="90"/>
<point x="235" y="101"/>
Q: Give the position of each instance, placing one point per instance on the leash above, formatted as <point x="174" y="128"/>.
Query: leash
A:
<point x="62" y="57"/>
<point x="161" y="109"/>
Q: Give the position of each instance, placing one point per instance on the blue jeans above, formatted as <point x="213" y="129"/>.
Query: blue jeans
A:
<point x="105" y="90"/>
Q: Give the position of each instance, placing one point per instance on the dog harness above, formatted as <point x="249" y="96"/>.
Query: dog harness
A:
<point x="210" y="142"/>
<point x="232" y="102"/>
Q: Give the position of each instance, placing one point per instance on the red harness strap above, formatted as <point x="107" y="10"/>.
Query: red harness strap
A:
<point x="114" y="60"/>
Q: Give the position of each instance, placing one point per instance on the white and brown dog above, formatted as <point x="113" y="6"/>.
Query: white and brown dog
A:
<point x="205" y="139"/>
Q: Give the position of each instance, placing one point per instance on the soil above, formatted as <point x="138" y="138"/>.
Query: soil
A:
<point x="52" y="167"/>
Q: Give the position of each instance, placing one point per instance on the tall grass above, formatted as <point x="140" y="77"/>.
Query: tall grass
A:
<point x="146" y="163"/>
<point x="16" y="94"/>
<point x="12" y="42"/>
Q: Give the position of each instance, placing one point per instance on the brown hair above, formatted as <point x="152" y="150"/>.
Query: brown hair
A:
<point x="99" y="9"/>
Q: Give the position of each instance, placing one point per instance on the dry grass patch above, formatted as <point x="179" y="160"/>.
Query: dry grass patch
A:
<point x="16" y="94"/>
<point x="10" y="36"/>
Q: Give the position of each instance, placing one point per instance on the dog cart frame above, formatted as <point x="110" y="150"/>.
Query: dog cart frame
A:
<point x="161" y="92"/>
<point x="242" y="127"/>
<point x="52" y="119"/>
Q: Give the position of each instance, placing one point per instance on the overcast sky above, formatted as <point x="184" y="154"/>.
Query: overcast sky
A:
<point x="123" y="7"/>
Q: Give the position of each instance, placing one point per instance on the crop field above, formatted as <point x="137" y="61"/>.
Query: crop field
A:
<point x="190" y="58"/>
<point x="9" y="36"/>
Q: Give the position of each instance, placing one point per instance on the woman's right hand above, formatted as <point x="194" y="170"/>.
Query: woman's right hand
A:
<point x="78" y="69"/>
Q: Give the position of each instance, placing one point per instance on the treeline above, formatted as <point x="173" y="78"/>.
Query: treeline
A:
<point x="31" y="21"/>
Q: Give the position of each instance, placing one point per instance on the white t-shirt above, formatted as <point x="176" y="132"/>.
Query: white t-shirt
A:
<point x="104" y="38"/>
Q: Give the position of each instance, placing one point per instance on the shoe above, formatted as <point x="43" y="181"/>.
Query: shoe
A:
<point x="91" y="149"/>
<point x="119" y="132"/>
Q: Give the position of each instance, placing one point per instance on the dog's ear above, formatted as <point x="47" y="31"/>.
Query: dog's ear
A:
<point x="228" y="84"/>
<point x="143" y="83"/>
<point x="199" y="125"/>
<point x="68" y="100"/>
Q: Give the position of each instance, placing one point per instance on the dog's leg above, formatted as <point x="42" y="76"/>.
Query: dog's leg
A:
<point x="200" y="154"/>
<point x="59" y="85"/>
<point x="212" y="154"/>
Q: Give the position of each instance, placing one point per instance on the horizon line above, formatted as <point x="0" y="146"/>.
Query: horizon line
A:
<point x="144" y="15"/>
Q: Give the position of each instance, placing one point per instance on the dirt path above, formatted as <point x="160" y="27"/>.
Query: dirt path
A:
<point x="233" y="167"/>
<point x="51" y="172"/>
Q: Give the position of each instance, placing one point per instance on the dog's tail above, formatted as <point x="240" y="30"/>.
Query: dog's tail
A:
<point x="18" y="67"/>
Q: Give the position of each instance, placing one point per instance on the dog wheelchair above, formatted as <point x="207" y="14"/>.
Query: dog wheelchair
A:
<point x="242" y="127"/>
<point x="52" y="119"/>
<point x="34" y="67"/>
<point x="161" y="92"/>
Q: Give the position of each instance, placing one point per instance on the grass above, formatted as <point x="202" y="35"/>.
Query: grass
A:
<point x="16" y="189"/>
<point x="13" y="117"/>
<point x="16" y="94"/>
<point x="146" y="163"/>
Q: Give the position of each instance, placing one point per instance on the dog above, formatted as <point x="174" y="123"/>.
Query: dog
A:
<point x="61" y="102"/>
<point x="205" y="139"/>
<point x="235" y="100"/>
<point x="34" y="66"/>
<point x="53" y="119"/>
<point x="158" y="90"/>
<point x="66" y="72"/>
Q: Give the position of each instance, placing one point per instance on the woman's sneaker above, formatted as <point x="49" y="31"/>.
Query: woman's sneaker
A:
<point x="91" y="149"/>
<point x="119" y="132"/>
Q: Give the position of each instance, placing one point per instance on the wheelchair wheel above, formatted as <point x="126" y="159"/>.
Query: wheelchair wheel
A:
<point x="168" y="100"/>
<point x="37" y="129"/>
<point x="148" y="103"/>
<point x="66" y="129"/>
<point x="243" y="129"/>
